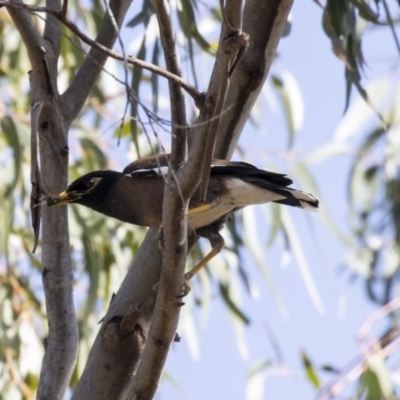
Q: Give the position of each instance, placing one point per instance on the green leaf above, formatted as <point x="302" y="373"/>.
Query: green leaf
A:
<point x="94" y="156"/>
<point x="376" y="378"/>
<point x="292" y="103"/>
<point x="310" y="370"/>
<point x="255" y="249"/>
<point x="356" y="169"/>
<point x="330" y="368"/>
<point x="334" y="14"/>
<point x="187" y="20"/>
<point x="275" y="225"/>
<point x="143" y="16"/>
<point x="235" y="228"/>
<point x="224" y="291"/>
<point x="360" y="115"/>
<point x="370" y="384"/>
<point x="365" y="10"/>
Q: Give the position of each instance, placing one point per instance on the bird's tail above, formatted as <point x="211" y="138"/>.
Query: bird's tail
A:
<point x="298" y="198"/>
<point x="253" y="190"/>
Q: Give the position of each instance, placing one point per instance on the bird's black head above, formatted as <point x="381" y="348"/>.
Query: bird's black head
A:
<point x="88" y="188"/>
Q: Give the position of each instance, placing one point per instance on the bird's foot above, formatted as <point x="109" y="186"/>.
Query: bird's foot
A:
<point x="185" y="290"/>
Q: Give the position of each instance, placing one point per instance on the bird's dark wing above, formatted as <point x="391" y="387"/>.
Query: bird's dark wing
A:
<point x="244" y="170"/>
<point x="148" y="166"/>
<point x="158" y="165"/>
<point x="269" y="181"/>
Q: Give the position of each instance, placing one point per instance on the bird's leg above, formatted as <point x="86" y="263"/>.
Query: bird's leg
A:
<point x="217" y="243"/>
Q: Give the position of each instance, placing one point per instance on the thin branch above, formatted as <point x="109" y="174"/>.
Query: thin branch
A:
<point x="37" y="190"/>
<point x="177" y="101"/>
<point x="364" y="335"/>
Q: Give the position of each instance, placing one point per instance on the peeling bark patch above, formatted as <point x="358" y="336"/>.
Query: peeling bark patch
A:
<point x="139" y="332"/>
<point x="129" y="324"/>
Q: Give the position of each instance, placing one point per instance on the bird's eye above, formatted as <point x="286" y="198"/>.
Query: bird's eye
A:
<point x="90" y="183"/>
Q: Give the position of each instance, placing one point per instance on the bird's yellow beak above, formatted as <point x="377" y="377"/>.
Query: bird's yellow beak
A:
<point x="62" y="199"/>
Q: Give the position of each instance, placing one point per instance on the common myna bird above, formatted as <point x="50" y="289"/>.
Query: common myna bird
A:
<point x="135" y="195"/>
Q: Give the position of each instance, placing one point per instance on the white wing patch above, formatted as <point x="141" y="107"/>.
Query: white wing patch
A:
<point x="245" y="193"/>
<point x="158" y="171"/>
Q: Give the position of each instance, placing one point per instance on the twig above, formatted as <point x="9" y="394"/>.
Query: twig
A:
<point x="36" y="191"/>
<point x="177" y="101"/>
<point x="364" y="335"/>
